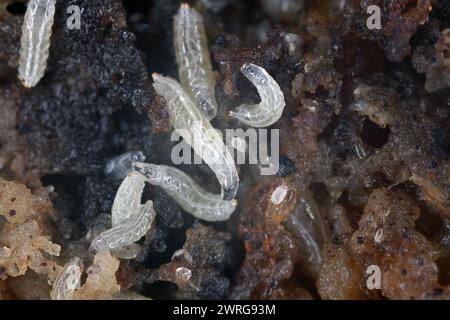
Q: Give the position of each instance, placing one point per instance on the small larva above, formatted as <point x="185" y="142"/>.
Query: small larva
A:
<point x="279" y="194"/>
<point x="271" y="107"/>
<point x="127" y="202"/>
<point x="127" y="252"/>
<point x="194" y="63"/>
<point x="197" y="131"/>
<point x="120" y="166"/>
<point x="67" y="281"/>
<point x="187" y="193"/>
<point x="35" y="42"/>
<point x="127" y="233"/>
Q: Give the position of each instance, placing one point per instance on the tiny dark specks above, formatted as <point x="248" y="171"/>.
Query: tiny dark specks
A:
<point x="12" y="212"/>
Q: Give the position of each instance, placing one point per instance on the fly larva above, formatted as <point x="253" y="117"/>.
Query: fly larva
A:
<point x="197" y="131"/>
<point x="127" y="202"/>
<point x="187" y="193"/>
<point x="271" y="107"/>
<point x="67" y="281"/>
<point x="194" y="63"/>
<point x="35" y="42"/>
<point x="128" y="252"/>
<point x="120" y="166"/>
<point x="279" y="194"/>
<point x="126" y="233"/>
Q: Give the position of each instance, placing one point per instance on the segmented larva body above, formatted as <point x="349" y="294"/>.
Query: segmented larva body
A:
<point x="131" y="231"/>
<point x="127" y="202"/>
<point x="272" y="104"/>
<point x="35" y="42"/>
<point x="197" y="131"/>
<point x="194" y="63"/>
<point x="67" y="281"/>
<point x="120" y="166"/>
<point x="187" y="193"/>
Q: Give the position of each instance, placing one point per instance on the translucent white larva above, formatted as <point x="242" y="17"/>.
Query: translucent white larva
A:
<point x="194" y="63"/>
<point x="120" y="166"/>
<point x="131" y="231"/>
<point x="67" y="281"/>
<point x="271" y="107"/>
<point x="127" y="252"/>
<point x="35" y="42"/>
<point x="197" y="131"/>
<point x="187" y="193"/>
<point x="279" y="194"/>
<point x="127" y="202"/>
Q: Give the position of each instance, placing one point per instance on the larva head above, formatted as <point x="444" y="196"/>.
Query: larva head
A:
<point x="249" y="70"/>
<point x="254" y="73"/>
<point x="27" y="83"/>
<point x="146" y="169"/>
<point x="49" y="8"/>
<point x="166" y="86"/>
<point x="209" y="109"/>
<point x="187" y="14"/>
<point x="41" y="8"/>
<point x="184" y="9"/>
<point x="32" y="7"/>
<point x="229" y="192"/>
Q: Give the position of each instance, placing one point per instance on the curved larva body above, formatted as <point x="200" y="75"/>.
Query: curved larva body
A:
<point x="35" y="42"/>
<point x="194" y="63"/>
<point x="271" y="107"/>
<point x="196" y="130"/>
<point x="187" y="193"/>
<point x="131" y="231"/>
<point x="120" y="166"/>
<point x="127" y="202"/>
<point x="67" y="281"/>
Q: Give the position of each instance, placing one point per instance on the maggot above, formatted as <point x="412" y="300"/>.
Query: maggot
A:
<point x="127" y="233"/>
<point x="187" y="193"/>
<point x="272" y="104"/>
<point x="35" y="42"/>
<point x="194" y="63"/>
<point x="127" y="202"/>
<point x="197" y="131"/>
<point x="68" y="280"/>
